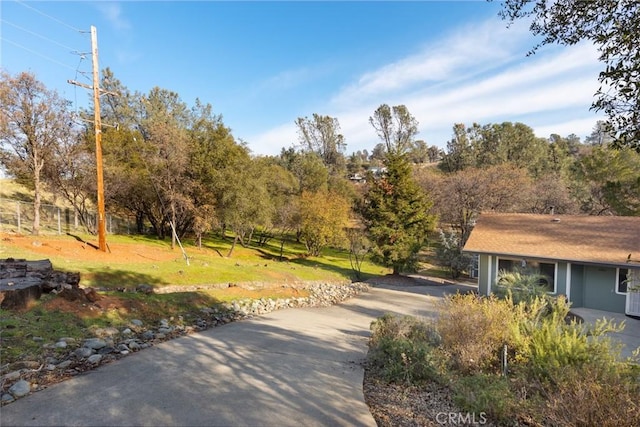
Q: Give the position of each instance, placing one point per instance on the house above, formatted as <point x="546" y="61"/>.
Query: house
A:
<point x="593" y="260"/>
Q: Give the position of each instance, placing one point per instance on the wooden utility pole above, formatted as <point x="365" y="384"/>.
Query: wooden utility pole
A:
<point x="102" y="224"/>
<point x="102" y="227"/>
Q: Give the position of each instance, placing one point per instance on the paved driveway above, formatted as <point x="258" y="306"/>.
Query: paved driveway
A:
<point x="289" y="368"/>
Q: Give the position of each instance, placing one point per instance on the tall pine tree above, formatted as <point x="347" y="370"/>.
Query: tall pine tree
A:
<point x="396" y="213"/>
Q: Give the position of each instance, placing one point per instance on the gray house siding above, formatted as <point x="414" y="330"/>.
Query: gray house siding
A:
<point x="577" y="285"/>
<point x="589" y="286"/>
<point x="599" y="290"/>
<point x="483" y="274"/>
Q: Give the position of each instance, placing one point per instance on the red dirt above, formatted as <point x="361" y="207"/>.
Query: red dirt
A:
<point x="71" y="248"/>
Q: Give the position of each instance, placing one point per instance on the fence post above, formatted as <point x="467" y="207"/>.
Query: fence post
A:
<point x="19" y="221"/>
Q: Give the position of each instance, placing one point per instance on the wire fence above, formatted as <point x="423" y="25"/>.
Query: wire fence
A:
<point x="17" y="217"/>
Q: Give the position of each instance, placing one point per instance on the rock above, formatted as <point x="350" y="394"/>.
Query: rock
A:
<point x="64" y="365"/>
<point x="83" y="352"/>
<point x="11" y="376"/>
<point x="144" y="288"/>
<point x="91" y="295"/>
<point x="61" y="344"/>
<point x="95" y="343"/>
<point x="133" y="346"/>
<point x="6" y="398"/>
<point x="148" y="335"/>
<point x="37" y="339"/>
<point x="107" y="350"/>
<point x="94" y="359"/>
<point x="136" y="322"/>
<point x="20" y="388"/>
<point x="127" y="331"/>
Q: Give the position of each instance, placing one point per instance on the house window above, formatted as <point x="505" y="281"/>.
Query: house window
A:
<point x="621" y="280"/>
<point x="546" y="269"/>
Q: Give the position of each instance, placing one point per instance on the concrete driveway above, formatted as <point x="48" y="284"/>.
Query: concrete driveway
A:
<point x="288" y="368"/>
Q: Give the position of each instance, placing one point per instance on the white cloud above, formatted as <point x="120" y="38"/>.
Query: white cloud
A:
<point x="112" y="12"/>
<point x="478" y="74"/>
<point x="469" y="50"/>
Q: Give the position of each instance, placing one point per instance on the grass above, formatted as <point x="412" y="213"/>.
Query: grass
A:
<point x="136" y="260"/>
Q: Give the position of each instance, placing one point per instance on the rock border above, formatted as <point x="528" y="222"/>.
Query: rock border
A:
<point x="108" y="344"/>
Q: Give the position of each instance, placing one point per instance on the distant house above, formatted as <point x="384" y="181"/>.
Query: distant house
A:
<point x="593" y="260"/>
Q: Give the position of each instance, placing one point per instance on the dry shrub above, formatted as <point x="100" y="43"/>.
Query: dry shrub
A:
<point x="474" y="329"/>
<point x="593" y="395"/>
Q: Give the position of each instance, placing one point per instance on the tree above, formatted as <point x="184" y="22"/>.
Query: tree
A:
<point x="460" y="150"/>
<point x="396" y="213"/>
<point x="614" y="27"/>
<point x="493" y="144"/>
<point x="462" y="196"/>
<point x="321" y="135"/>
<point x="324" y="217"/>
<point x="608" y="181"/>
<point x="163" y="125"/>
<point x="33" y="122"/>
<point x="395" y="126"/>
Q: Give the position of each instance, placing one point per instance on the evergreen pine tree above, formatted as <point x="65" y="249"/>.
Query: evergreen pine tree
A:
<point x="396" y="213"/>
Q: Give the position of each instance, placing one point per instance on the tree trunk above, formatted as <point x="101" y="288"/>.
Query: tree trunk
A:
<point x="173" y="225"/>
<point x="37" y="201"/>
<point x="233" y="245"/>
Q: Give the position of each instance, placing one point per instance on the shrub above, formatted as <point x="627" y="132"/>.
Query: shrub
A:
<point x="520" y="287"/>
<point x="401" y="349"/>
<point x="450" y="254"/>
<point x="490" y="394"/>
<point x="474" y="330"/>
<point x="549" y="344"/>
<point x="593" y="395"/>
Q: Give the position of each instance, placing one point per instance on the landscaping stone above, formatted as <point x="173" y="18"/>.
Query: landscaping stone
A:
<point x="95" y="343"/>
<point x="20" y="388"/>
<point x="111" y="344"/>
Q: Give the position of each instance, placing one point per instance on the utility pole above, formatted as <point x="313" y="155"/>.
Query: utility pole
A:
<point x="102" y="225"/>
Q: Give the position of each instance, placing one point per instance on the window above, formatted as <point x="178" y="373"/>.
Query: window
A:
<point x="546" y="269"/>
<point x="621" y="280"/>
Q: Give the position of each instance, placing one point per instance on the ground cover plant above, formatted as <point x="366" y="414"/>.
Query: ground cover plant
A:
<point x="517" y="363"/>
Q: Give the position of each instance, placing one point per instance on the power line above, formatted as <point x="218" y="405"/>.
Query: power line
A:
<point x="38" y="54"/>
<point x="38" y="35"/>
<point x="50" y="17"/>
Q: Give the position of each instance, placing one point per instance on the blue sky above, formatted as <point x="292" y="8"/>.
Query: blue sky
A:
<point x="261" y="65"/>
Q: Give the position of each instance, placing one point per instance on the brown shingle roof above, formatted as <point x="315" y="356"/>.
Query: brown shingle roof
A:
<point x="577" y="238"/>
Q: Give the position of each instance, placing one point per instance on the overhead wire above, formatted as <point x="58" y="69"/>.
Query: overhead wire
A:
<point x="38" y="35"/>
<point x="70" y="49"/>
<point x="37" y="53"/>
<point x="50" y="17"/>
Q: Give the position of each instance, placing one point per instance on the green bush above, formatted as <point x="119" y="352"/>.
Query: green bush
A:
<point x="547" y="345"/>
<point x="401" y="349"/>
<point x="520" y="287"/>
<point x="490" y="394"/>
